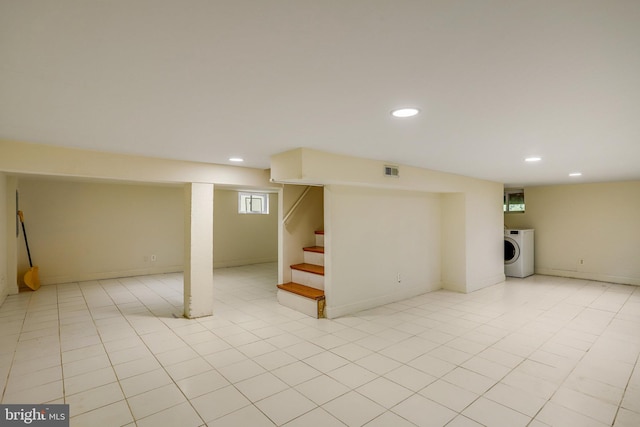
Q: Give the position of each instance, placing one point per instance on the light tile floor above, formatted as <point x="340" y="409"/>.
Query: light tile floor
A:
<point x="540" y="351"/>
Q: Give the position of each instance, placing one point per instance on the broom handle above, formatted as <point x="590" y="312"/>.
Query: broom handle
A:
<point x="20" y="214"/>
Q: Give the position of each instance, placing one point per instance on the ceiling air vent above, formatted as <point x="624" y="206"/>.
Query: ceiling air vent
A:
<point x="393" y="171"/>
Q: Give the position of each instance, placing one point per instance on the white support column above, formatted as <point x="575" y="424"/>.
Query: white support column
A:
<point x="198" y="250"/>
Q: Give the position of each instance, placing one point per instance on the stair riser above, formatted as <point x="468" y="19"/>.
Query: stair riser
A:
<point x="319" y="239"/>
<point x="307" y="279"/>
<point x="296" y="302"/>
<point x="314" y="258"/>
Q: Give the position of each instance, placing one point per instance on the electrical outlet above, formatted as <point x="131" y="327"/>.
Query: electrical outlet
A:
<point x="581" y="261"/>
<point x="154" y="258"/>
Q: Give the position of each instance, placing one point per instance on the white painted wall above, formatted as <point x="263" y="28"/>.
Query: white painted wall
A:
<point x="198" y="253"/>
<point x="484" y="227"/>
<point x="372" y="236"/>
<point x="89" y="230"/>
<point x="470" y="242"/>
<point x="241" y="239"/>
<point x="598" y="223"/>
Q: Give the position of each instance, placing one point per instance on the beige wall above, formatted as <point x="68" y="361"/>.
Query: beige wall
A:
<point x="88" y="230"/>
<point x="240" y="239"/>
<point x="5" y="239"/>
<point x="375" y="237"/>
<point x="597" y="223"/>
<point x="8" y="262"/>
<point x="25" y="158"/>
<point x="454" y="271"/>
<point x="20" y="160"/>
<point x="81" y="230"/>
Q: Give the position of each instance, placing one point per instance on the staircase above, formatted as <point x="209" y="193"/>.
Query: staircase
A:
<point x="305" y="292"/>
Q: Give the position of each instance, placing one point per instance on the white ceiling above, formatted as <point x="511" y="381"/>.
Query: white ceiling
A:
<point x="204" y="80"/>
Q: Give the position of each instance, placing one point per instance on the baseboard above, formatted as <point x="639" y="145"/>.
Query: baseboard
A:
<point x="240" y="262"/>
<point x="333" y="311"/>
<point x="489" y="281"/>
<point x="53" y="280"/>
<point x="454" y="287"/>
<point x="475" y="286"/>
<point x="598" y="277"/>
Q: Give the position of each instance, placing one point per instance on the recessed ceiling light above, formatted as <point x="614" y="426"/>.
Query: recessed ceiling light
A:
<point x="236" y="159"/>
<point x="533" y="159"/>
<point x="405" y="112"/>
<point x="575" y="174"/>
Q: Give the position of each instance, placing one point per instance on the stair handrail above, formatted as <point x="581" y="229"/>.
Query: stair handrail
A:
<point x="296" y="204"/>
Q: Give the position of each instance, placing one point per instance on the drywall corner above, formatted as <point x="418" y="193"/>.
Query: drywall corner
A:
<point x="8" y="232"/>
<point x="198" y="250"/>
<point x="287" y="166"/>
<point x="454" y="253"/>
<point x="4" y="237"/>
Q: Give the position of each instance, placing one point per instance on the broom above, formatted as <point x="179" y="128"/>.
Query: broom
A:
<point x="30" y="277"/>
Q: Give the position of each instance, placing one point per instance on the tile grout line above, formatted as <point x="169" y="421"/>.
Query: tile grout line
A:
<point x="126" y="399"/>
<point x="550" y="323"/>
<point x="15" y="350"/>
<point x="635" y="366"/>
<point x="584" y="308"/>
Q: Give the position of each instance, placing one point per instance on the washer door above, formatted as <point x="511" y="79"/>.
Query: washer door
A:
<point x="511" y="251"/>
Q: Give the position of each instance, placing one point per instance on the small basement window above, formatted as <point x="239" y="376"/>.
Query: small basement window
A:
<point x="253" y="203"/>
<point x="513" y="200"/>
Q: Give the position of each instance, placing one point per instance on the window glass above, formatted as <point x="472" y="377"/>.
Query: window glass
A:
<point x="253" y="203"/>
<point x="513" y="200"/>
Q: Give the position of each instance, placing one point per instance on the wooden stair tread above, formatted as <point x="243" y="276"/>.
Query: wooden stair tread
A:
<point x="309" y="268"/>
<point x="316" y="249"/>
<point x="302" y="290"/>
<point x="319" y="231"/>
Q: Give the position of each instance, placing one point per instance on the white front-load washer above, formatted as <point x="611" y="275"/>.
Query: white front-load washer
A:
<point x="518" y="253"/>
